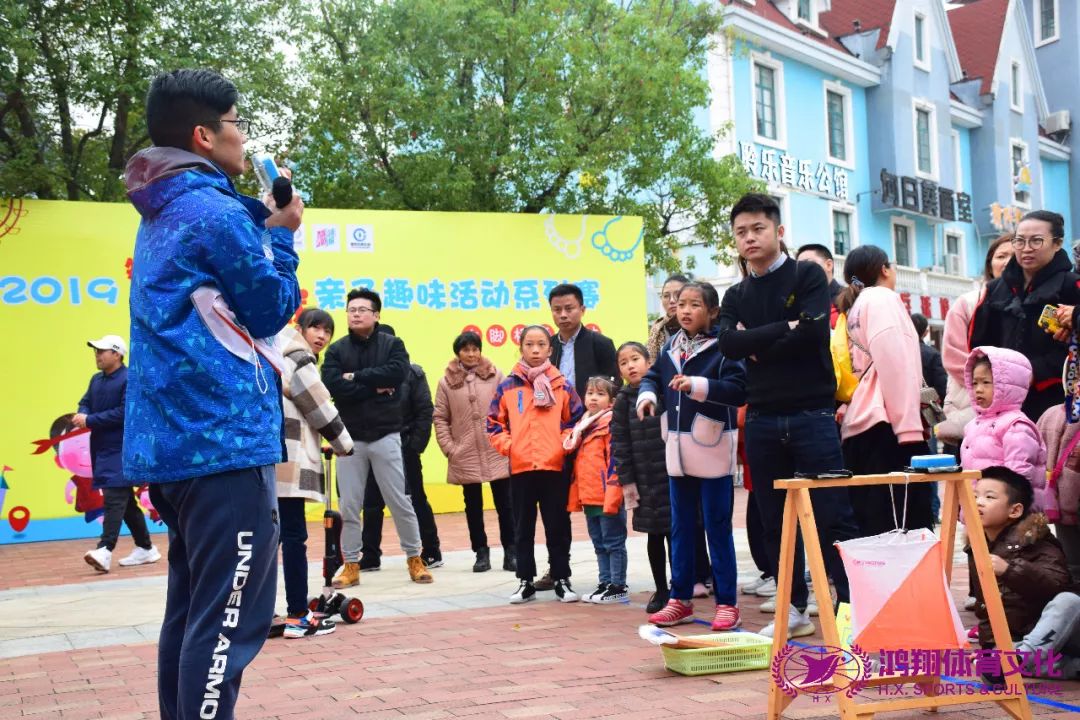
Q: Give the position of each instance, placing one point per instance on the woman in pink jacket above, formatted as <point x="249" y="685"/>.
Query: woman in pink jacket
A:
<point x="882" y="427"/>
<point x="997" y="382"/>
<point x="955" y="347"/>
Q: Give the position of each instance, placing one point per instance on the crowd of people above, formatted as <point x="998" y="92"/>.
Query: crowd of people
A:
<point x="789" y="373"/>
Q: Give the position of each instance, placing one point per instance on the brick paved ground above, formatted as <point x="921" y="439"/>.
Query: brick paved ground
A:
<point x="542" y="660"/>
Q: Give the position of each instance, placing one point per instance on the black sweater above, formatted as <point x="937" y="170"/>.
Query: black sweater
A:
<point x="788" y="370"/>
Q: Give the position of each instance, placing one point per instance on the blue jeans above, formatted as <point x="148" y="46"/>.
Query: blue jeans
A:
<point x="223" y="537"/>
<point x="714" y="498"/>
<point x="608" y="533"/>
<point x="778" y="446"/>
<point x="294" y="564"/>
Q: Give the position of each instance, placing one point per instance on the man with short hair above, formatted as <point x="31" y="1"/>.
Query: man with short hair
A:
<point x="202" y="421"/>
<point x="777" y="319"/>
<point x="363" y="372"/>
<point x="823" y="257"/>
<point x="933" y="370"/>
<point x="102" y="411"/>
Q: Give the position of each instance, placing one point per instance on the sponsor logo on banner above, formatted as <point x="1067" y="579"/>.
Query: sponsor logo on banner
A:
<point x="360" y="238"/>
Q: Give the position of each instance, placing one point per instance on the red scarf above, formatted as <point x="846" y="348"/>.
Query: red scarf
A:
<point x="543" y="395"/>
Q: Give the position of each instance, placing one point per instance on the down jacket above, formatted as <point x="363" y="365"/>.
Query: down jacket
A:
<point x="462" y="399"/>
<point x="531" y="436"/>
<point x="1057" y="434"/>
<point x="638" y="448"/>
<point x="1037" y="572"/>
<point x="954" y="353"/>
<point x="595" y="481"/>
<point x="1002" y="434"/>
<point x="309" y="415"/>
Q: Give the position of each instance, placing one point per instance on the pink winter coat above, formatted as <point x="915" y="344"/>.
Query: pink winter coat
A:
<point x="1001" y="434"/>
<point x="1057" y="434"/>
<point x="954" y="354"/>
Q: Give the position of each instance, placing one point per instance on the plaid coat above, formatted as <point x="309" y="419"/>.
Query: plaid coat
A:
<point x="308" y="413"/>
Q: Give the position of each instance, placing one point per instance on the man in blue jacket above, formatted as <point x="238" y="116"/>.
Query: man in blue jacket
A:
<point x="203" y="423"/>
<point x="102" y="411"/>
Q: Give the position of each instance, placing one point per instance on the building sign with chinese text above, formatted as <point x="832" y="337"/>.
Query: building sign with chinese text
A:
<point x="925" y="197"/>
<point x="779" y="168"/>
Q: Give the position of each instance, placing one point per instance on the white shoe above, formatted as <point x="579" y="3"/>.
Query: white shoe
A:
<point x="140" y="556"/>
<point x="564" y="592"/>
<point x="970" y="603"/>
<point x="751" y="587"/>
<point x="99" y="559"/>
<point x="799" y="625"/>
<point x="769" y="606"/>
<point x="596" y="594"/>
<point x="811" y="609"/>
<point x="767" y="589"/>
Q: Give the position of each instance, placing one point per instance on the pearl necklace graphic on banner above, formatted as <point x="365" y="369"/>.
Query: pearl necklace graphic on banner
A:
<point x="570" y="248"/>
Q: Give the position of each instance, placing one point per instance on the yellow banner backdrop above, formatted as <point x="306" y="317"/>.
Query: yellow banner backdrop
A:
<point x="64" y="280"/>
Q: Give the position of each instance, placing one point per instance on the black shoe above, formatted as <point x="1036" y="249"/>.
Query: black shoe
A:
<point x="526" y="592"/>
<point x="545" y="583"/>
<point x="657" y="602"/>
<point x="430" y="561"/>
<point x="369" y="565"/>
<point x="613" y="594"/>
<point x="509" y="561"/>
<point x="483" y="560"/>
<point x="564" y="592"/>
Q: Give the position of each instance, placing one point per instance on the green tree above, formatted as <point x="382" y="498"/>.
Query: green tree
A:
<point x="581" y="106"/>
<point x="74" y="75"/>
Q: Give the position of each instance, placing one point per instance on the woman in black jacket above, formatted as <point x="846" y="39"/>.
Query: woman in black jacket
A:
<point x="1040" y="274"/>
<point x="638" y="449"/>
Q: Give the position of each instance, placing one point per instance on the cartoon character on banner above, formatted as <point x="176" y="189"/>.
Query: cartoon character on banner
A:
<point x="72" y="448"/>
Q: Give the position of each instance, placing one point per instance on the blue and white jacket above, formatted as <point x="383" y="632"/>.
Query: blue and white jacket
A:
<point x="193" y="407"/>
<point x="700" y="428"/>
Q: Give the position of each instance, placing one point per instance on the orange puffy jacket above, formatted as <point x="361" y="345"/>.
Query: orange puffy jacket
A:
<point x="532" y="437"/>
<point x="595" y="481"/>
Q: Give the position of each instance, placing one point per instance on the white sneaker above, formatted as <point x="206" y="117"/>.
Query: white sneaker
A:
<point x="970" y="603"/>
<point x="799" y="625"/>
<point x="140" y="556"/>
<point x="751" y="587"/>
<point x="99" y="559"/>
<point x="564" y="592"/>
<point x="596" y="594"/>
<point x="769" y="606"/>
<point x="811" y="608"/>
<point x="767" y="589"/>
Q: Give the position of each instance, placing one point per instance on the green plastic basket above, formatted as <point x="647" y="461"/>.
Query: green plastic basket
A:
<point x="740" y="651"/>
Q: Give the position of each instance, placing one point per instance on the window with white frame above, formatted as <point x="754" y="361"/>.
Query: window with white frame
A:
<point x="925" y="126"/>
<point x="958" y="162"/>
<point x="805" y="10"/>
<point x="1046" y="20"/>
<point x="1016" y="87"/>
<point x="840" y="143"/>
<point x="903" y="240"/>
<point x="841" y="232"/>
<point x="922" y="50"/>
<point x="1021" y="174"/>
<point x="954" y="253"/>
<point x="768" y="74"/>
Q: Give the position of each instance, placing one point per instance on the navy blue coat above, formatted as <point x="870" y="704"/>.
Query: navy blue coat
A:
<point x="103" y="405"/>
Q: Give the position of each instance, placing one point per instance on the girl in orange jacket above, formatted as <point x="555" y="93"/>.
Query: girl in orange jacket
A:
<point x="595" y="488"/>
<point x="532" y="413"/>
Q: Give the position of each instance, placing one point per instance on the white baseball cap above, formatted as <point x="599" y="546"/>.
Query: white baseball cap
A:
<point x="109" y="342"/>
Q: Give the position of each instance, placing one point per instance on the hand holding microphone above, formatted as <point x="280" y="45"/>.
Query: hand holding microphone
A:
<point x="277" y="184"/>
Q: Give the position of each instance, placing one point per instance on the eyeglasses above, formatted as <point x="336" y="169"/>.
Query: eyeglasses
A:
<point x="359" y="310"/>
<point x="242" y="124"/>
<point x="1034" y="242"/>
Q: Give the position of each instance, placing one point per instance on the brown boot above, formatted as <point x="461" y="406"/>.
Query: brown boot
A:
<point x="349" y="575"/>
<point x="418" y="572"/>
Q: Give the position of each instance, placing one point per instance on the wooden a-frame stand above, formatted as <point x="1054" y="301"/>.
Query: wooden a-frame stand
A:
<point x="958" y="493"/>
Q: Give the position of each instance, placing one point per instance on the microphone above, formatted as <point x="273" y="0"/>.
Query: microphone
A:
<point x="271" y="180"/>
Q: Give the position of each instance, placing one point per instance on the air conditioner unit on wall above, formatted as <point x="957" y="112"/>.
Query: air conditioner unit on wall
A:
<point x="1057" y="122"/>
<point x="952" y="264"/>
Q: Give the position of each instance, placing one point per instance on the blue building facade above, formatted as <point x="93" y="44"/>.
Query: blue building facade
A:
<point x="913" y="125"/>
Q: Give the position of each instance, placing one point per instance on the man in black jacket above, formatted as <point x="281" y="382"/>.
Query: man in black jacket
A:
<point x="579" y="352"/>
<point x="933" y="371"/>
<point x="363" y="372"/>
<point x="417" y="412"/>
<point x="777" y="319"/>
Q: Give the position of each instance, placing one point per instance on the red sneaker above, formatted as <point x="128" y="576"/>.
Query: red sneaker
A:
<point x="726" y="618"/>
<point x="973" y="633"/>
<point x="674" y="613"/>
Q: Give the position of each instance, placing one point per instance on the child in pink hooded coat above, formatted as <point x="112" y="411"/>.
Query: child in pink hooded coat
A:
<point x="997" y="381"/>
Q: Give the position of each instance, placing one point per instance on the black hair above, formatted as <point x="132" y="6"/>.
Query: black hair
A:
<point x="756" y="203"/>
<point x="365" y="294"/>
<point x="566" y="289"/>
<point x="862" y="268"/>
<point x="1017" y="486"/>
<point x="635" y="346"/>
<point x="467" y="339"/>
<point x="817" y="248"/>
<point x="60" y="426"/>
<point x="1057" y="223"/>
<point x="315" y="317"/>
<point x="983" y="361"/>
<point x="604" y="384"/>
<point x="708" y="294"/>
<point x="180" y="100"/>
<point x="528" y="329"/>
<point x="921" y="323"/>
<point x="988" y="266"/>
<point x="676" y="277"/>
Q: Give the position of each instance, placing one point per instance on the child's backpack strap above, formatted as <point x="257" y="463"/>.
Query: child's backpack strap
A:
<point x="1063" y="457"/>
